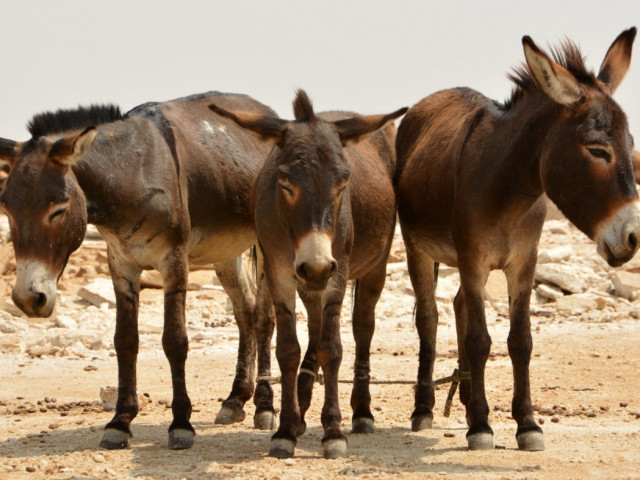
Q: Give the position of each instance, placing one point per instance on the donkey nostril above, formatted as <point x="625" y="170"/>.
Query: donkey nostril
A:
<point x="301" y="271"/>
<point x="334" y="268"/>
<point x="632" y="241"/>
<point x="41" y="300"/>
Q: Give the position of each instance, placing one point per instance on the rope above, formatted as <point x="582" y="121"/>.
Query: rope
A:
<point x="454" y="379"/>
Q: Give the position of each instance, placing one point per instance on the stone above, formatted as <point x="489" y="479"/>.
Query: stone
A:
<point x="626" y="284"/>
<point x="11" y="308"/>
<point x="555" y="255"/>
<point x="583" y="301"/>
<point x="151" y="279"/>
<point x="496" y="286"/>
<point x="11" y="343"/>
<point x="549" y="291"/>
<point x="99" y="291"/>
<point x="62" y="321"/>
<point x="560" y="276"/>
<point x="7" y="259"/>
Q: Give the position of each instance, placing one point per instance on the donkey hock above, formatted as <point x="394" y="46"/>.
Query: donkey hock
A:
<point x="166" y="184"/>
<point x="325" y="212"/>
<point x="470" y="182"/>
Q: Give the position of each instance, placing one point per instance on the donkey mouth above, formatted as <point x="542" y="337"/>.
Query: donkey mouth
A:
<point x="614" y="261"/>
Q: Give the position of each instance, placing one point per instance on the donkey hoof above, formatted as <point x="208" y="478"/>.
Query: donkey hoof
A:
<point x="480" y="441"/>
<point x="362" y="425"/>
<point x="421" y="422"/>
<point x="301" y="428"/>
<point x="265" y="420"/>
<point x="228" y="415"/>
<point x="335" y="448"/>
<point x="531" y="441"/>
<point x="180" y="439"/>
<point x="114" y="439"/>
<point x="282" y="448"/>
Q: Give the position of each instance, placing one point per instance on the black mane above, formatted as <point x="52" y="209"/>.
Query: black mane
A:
<point x="568" y="55"/>
<point x="63" y="120"/>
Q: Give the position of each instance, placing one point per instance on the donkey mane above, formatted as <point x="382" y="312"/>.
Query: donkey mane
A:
<point x="568" y="55"/>
<point x="303" y="108"/>
<point x="65" y="120"/>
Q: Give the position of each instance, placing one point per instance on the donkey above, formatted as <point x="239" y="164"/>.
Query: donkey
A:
<point x="470" y="182"/>
<point x="325" y="209"/>
<point x="167" y="184"/>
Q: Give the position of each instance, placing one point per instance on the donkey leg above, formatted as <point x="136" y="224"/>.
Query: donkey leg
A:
<point x="265" y="416"/>
<point x="176" y="345"/>
<point x="421" y="273"/>
<point x="309" y="367"/>
<point x="334" y="443"/>
<point x="126" y="282"/>
<point x="367" y="294"/>
<point x="463" y="361"/>
<point x="477" y="345"/>
<point x="283" y="441"/>
<point x="233" y="278"/>
<point x="520" y="343"/>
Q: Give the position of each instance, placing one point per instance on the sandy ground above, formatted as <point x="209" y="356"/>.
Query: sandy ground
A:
<point x="584" y="374"/>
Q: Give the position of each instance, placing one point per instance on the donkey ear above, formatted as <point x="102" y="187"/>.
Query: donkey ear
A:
<point x="8" y="150"/>
<point x="553" y="79"/>
<point x="616" y="62"/>
<point x="268" y="127"/>
<point x="354" y="129"/>
<point x="69" y="149"/>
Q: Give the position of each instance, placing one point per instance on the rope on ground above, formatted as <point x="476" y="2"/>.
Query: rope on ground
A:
<point x="454" y="379"/>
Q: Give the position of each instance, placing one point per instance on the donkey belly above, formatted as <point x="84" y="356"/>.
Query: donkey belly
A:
<point x="211" y="247"/>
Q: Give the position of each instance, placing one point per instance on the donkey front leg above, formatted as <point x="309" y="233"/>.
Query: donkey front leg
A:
<point x="126" y="283"/>
<point x="520" y="343"/>
<point x="234" y="280"/>
<point x="176" y="345"/>
<point x="334" y="443"/>
<point x="283" y="441"/>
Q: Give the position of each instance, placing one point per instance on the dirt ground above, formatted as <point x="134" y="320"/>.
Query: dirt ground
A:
<point x="584" y="374"/>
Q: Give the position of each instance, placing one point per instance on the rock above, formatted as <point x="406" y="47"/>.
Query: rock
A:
<point x="11" y="343"/>
<point x="109" y="398"/>
<point x="496" y="286"/>
<point x="7" y="258"/>
<point x="561" y="276"/>
<point x="555" y="255"/>
<point x="151" y="279"/>
<point x="62" y="321"/>
<point x="10" y="308"/>
<point x="99" y="291"/>
<point x="583" y="301"/>
<point x="549" y="291"/>
<point x="5" y="233"/>
<point x="626" y="284"/>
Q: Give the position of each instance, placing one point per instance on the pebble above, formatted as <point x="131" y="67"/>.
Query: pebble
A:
<point x="289" y="462"/>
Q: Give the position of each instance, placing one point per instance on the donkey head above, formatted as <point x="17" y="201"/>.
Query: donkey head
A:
<point x="47" y="214"/>
<point x="585" y="161"/>
<point x="312" y="175"/>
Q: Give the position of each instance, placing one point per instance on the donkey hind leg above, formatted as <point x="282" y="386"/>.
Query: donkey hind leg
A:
<point x="309" y="367"/>
<point x="529" y="434"/>
<point x="477" y="345"/>
<point x="126" y="282"/>
<point x="367" y="293"/>
<point x="233" y="277"/>
<point x="175" y="270"/>
<point x="423" y="279"/>
<point x="265" y="416"/>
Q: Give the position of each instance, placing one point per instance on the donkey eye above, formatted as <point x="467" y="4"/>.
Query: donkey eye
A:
<point x="286" y="187"/>
<point x="57" y="213"/>
<point x="600" y="153"/>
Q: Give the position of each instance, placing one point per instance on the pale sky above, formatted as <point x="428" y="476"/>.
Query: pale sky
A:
<point x="369" y="56"/>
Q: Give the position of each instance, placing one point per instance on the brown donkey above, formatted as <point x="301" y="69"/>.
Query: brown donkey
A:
<point x="325" y="211"/>
<point x="166" y="185"/>
<point x="471" y="179"/>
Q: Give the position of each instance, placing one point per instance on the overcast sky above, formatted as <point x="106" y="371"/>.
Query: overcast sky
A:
<point x="369" y="56"/>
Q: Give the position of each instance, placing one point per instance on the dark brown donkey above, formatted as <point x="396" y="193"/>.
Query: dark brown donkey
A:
<point x="166" y="185"/>
<point x="471" y="179"/>
<point x="325" y="212"/>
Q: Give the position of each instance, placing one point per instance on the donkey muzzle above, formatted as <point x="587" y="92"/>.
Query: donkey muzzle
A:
<point x="35" y="289"/>
<point x="619" y="237"/>
<point x="314" y="263"/>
